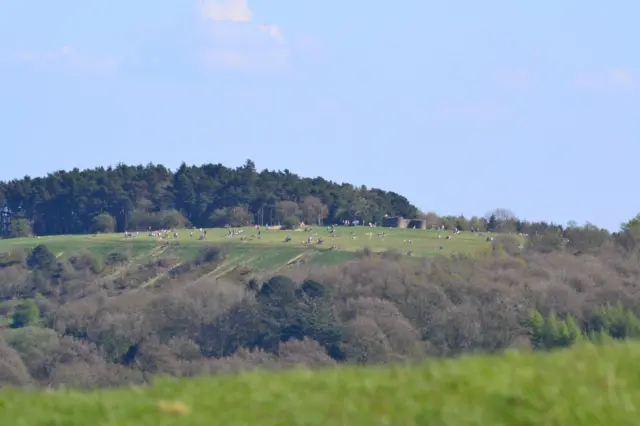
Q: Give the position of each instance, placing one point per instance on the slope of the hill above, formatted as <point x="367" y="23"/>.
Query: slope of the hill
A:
<point x="585" y="385"/>
<point x="72" y="267"/>
<point x="270" y="250"/>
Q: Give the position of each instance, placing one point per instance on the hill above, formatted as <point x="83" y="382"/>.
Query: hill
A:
<point x="586" y="385"/>
<point x="123" y="311"/>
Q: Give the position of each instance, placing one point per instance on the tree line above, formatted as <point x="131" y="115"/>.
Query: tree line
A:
<point x="126" y="197"/>
<point x="212" y="195"/>
<point x="605" y="323"/>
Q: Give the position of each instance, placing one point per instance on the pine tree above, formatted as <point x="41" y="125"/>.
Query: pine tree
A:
<point x="551" y="331"/>
<point x="563" y="339"/>
<point x="575" y="334"/>
<point x="536" y="329"/>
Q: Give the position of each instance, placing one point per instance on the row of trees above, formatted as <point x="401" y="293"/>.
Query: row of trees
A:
<point x="605" y="322"/>
<point x="139" y="197"/>
<point x="499" y="220"/>
<point x="204" y="196"/>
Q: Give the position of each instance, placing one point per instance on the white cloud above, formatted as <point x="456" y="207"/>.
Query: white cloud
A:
<point x="227" y="10"/>
<point x="65" y="58"/>
<point x="272" y="30"/>
<point x="614" y="79"/>
<point x="236" y="42"/>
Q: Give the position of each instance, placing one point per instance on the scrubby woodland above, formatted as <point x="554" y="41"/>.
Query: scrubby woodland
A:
<point x="75" y="321"/>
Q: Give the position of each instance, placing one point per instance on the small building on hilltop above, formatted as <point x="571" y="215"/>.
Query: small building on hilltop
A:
<point x="401" y="222"/>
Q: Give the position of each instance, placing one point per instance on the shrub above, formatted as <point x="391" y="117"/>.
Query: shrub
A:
<point x="25" y="314"/>
<point x="103" y="222"/>
<point x="41" y="258"/>
<point x="20" y="228"/>
<point x="290" y="222"/>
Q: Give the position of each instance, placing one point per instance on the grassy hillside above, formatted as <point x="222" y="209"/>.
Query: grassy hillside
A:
<point x="270" y="252"/>
<point x="581" y="386"/>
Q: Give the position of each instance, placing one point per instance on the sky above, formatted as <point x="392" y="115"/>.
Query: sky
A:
<point x="462" y="107"/>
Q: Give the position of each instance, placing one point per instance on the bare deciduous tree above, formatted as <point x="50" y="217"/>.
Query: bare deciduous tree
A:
<point x="501" y="214"/>
<point x="286" y="209"/>
<point x="313" y="210"/>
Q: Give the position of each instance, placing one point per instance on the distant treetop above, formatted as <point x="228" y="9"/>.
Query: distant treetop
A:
<point x="77" y="201"/>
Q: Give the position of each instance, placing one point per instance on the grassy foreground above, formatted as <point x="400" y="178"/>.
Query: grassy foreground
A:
<point x="581" y="386"/>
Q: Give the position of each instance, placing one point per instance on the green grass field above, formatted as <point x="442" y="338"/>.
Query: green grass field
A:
<point x="271" y="251"/>
<point x="586" y="385"/>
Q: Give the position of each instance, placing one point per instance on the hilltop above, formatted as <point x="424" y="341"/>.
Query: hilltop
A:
<point x="90" y="210"/>
<point x="585" y="386"/>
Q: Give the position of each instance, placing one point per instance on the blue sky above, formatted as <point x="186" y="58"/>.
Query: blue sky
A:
<point x="460" y="106"/>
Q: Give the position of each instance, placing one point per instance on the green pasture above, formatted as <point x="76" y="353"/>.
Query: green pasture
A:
<point x="350" y="239"/>
<point x="270" y="251"/>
